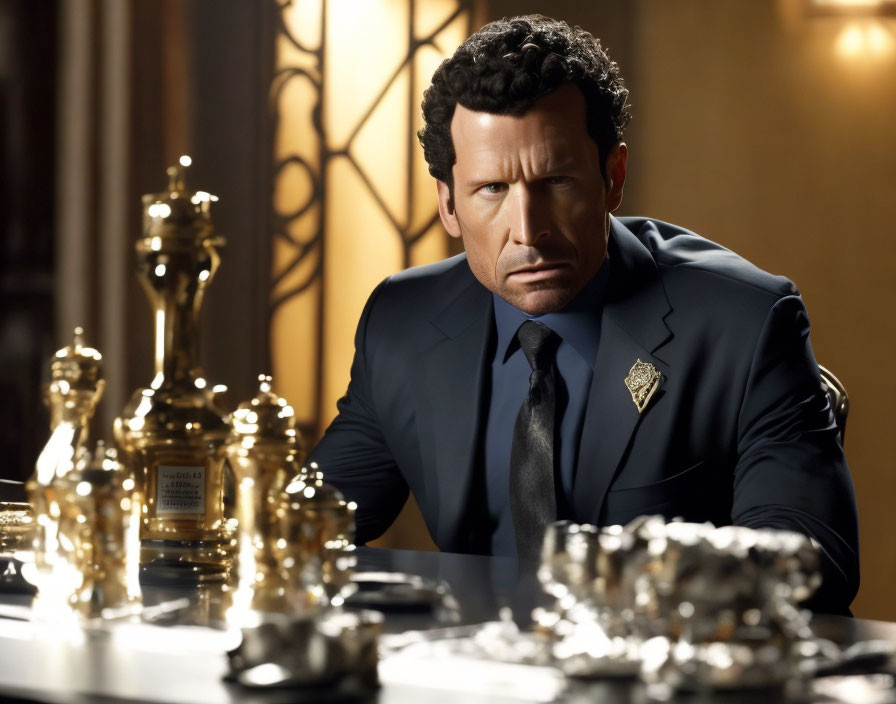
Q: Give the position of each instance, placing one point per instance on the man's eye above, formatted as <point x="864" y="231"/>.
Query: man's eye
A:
<point x="557" y="180"/>
<point x="494" y="188"/>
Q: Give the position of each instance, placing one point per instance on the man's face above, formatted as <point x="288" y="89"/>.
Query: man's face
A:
<point x="529" y="200"/>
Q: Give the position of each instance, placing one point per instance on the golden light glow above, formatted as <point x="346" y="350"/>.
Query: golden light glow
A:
<point x="159" y="210"/>
<point x="851" y="8"/>
<point x="57" y="455"/>
<point x="852" y="4"/>
<point x="160" y="340"/>
<point x="865" y="39"/>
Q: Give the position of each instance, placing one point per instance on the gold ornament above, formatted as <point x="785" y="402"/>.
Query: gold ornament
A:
<point x="642" y="381"/>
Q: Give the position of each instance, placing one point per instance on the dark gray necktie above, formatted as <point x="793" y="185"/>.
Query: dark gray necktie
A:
<point x="532" y="500"/>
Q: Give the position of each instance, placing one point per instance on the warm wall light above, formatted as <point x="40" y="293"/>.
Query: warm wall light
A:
<point x="851" y="8"/>
<point x="865" y="39"/>
<point x="866" y="32"/>
<point x="353" y="199"/>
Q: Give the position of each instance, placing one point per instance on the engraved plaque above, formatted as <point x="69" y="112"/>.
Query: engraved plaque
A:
<point x="181" y="489"/>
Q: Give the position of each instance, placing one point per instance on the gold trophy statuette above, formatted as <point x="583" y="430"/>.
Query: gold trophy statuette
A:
<point x="264" y="450"/>
<point x="172" y="433"/>
<point x="98" y="534"/>
<point x="75" y="388"/>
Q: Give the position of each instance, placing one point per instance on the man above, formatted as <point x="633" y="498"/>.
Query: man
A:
<point x="571" y="364"/>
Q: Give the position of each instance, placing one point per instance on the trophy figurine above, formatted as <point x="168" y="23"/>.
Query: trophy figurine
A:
<point x="98" y="524"/>
<point x="264" y="450"/>
<point x="172" y="433"/>
<point x="76" y="385"/>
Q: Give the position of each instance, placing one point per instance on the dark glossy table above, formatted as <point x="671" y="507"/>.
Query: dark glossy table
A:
<point x="186" y="664"/>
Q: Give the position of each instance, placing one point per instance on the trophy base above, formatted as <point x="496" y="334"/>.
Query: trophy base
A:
<point x="179" y="563"/>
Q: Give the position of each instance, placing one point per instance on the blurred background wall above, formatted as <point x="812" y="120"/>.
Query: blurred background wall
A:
<point x="766" y="125"/>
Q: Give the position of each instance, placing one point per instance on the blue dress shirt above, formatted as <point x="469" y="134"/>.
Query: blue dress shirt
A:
<point x="578" y="326"/>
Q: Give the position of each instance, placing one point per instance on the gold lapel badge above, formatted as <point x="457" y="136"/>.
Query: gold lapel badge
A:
<point x="642" y="381"/>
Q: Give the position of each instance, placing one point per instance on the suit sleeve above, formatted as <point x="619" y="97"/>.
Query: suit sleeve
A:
<point x="353" y="454"/>
<point x="791" y="471"/>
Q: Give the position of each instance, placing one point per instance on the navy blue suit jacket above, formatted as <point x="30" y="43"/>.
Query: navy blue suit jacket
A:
<point x="740" y="430"/>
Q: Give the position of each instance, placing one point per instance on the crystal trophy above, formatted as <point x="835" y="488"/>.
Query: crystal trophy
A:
<point x="172" y="433"/>
<point x="317" y="529"/>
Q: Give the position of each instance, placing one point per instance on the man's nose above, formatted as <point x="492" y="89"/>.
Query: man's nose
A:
<point x="529" y="218"/>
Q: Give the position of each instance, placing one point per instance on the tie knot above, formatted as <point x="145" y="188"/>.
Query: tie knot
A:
<point x="539" y="344"/>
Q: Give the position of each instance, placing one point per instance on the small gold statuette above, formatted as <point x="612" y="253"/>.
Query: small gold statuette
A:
<point x="642" y="381"/>
<point x="264" y="451"/>
<point x="75" y="388"/>
<point x="99" y="543"/>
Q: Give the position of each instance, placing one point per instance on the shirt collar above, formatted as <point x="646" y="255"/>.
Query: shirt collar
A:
<point x="577" y="323"/>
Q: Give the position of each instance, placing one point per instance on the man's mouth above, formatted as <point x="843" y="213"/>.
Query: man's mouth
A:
<point x="538" y="272"/>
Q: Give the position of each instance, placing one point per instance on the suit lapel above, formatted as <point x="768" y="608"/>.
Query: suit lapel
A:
<point x="632" y="328"/>
<point x="450" y="404"/>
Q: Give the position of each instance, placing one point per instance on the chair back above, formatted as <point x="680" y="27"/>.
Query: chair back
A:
<point x="837" y="396"/>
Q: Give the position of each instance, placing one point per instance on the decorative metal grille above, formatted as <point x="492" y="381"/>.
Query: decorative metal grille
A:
<point x="302" y="229"/>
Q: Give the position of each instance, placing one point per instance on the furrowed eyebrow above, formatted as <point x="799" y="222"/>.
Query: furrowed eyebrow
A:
<point x="566" y="164"/>
<point x="563" y="166"/>
<point x="480" y="182"/>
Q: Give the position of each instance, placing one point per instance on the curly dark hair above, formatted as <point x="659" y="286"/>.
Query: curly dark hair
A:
<point x="509" y="64"/>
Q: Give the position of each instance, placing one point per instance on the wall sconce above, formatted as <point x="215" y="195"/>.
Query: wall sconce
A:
<point x="865" y="39"/>
<point x="851" y="8"/>
<point x="867" y="34"/>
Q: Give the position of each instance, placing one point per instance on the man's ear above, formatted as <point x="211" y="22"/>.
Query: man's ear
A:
<point x="616" y="164"/>
<point x="446" y="209"/>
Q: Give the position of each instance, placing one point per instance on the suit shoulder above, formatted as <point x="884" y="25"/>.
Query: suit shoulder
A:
<point x="437" y="273"/>
<point x="420" y="292"/>
<point x="686" y="259"/>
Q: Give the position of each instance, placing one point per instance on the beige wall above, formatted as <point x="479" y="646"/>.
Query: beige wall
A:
<point x="753" y="130"/>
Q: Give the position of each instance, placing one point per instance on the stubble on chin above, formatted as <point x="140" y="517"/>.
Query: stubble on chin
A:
<point x="538" y="299"/>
